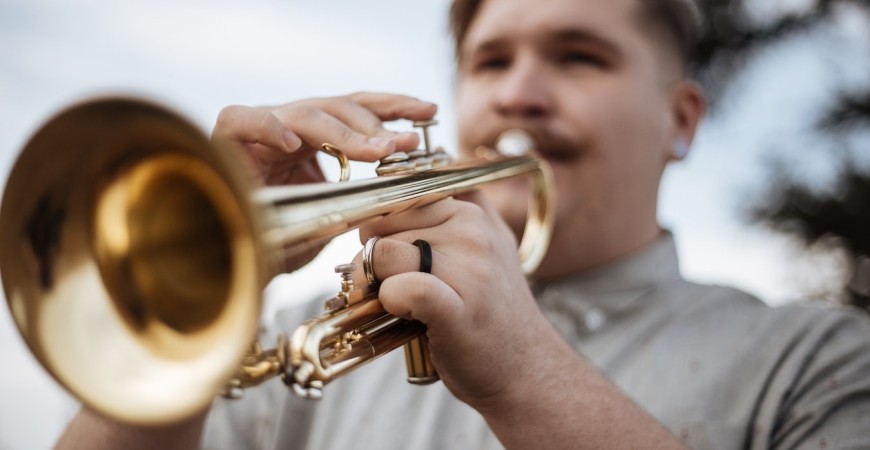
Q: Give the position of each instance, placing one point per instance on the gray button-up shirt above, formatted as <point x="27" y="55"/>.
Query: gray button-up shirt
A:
<point x="716" y="366"/>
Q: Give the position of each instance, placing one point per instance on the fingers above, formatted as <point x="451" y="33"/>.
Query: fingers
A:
<point x="392" y="257"/>
<point x="275" y="172"/>
<point x="393" y="107"/>
<point x="428" y="216"/>
<point x="366" y="112"/>
<point x="476" y="197"/>
<point x="282" y="141"/>
<point x="315" y="126"/>
<point x="248" y="125"/>
<point x="389" y="257"/>
<point x="353" y="123"/>
<point x="366" y="121"/>
<point x="422" y="297"/>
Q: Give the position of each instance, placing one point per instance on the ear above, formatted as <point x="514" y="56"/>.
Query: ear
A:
<point x="688" y="108"/>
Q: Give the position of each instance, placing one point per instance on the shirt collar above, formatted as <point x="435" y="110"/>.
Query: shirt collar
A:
<point x="617" y="285"/>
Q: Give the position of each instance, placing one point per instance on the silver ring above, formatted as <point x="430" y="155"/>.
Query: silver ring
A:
<point x="368" y="267"/>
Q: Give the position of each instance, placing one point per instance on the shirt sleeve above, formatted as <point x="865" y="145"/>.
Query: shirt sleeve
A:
<point x="827" y="405"/>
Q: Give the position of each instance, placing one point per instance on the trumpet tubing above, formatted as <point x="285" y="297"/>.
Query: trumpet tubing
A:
<point x="135" y="252"/>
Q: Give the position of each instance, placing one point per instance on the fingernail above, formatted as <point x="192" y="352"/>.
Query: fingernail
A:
<point x="380" y="142"/>
<point x="293" y="142"/>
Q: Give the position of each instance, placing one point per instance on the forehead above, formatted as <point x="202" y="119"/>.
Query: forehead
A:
<point x="613" y="20"/>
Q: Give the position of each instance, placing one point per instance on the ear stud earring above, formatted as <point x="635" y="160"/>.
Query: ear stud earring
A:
<point x="681" y="148"/>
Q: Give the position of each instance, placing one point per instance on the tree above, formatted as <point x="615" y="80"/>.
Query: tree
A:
<point x="838" y="219"/>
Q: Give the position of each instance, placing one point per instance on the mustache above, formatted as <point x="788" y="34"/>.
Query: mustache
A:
<point x="548" y="144"/>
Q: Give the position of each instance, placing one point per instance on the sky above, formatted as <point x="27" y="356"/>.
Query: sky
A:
<point x="196" y="56"/>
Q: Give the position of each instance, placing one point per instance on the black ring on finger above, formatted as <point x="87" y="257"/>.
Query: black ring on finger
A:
<point x="425" y="255"/>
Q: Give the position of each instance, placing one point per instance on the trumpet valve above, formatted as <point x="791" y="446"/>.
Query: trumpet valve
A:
<point x="342" y="299"/>
<point x="424" y="125"/>
<point x="395" y="163"/>
<point x="417" y="160"/>
<point x="440" y="158"/>
<point x="346" y="272"/>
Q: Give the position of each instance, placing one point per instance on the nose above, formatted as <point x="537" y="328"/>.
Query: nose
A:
<point x="524" y="90"/>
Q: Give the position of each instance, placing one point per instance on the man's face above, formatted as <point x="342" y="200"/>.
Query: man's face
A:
<point x="588" y="81"/>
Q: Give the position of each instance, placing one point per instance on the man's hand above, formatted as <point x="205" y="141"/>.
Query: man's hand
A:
<point x="491" y="344"/>
<point x="482" y="318"/>
<point x="282" y="141"/>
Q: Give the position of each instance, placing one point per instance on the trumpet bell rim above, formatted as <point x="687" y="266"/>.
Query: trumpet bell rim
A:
<point x="132" y="262"/>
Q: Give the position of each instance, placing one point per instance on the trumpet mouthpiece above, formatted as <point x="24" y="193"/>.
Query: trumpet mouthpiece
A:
<point x="515" y="142"/>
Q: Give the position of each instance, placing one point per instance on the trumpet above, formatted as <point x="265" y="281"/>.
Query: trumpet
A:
<point x="135" y="251"/>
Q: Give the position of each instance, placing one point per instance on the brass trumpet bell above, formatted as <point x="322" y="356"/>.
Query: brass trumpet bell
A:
<point x="131" y="260"/>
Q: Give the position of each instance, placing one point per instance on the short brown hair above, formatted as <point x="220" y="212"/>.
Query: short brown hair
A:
<point x="680" y="20"/>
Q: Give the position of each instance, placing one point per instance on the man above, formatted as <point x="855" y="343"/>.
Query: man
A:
<point x="616" y="351"/>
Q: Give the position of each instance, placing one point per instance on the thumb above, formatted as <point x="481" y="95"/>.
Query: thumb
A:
<point x="476" y="196"/>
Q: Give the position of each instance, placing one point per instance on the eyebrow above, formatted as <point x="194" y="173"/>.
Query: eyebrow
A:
<point x="565" y="35"/>
<point x="570" y="35"/>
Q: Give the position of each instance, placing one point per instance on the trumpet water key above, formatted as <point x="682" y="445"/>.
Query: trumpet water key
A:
<point x="135" y="250"/>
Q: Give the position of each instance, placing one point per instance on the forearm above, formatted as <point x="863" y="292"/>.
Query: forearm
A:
<point x="89" y="430"/>
<point x="569" y="404"/>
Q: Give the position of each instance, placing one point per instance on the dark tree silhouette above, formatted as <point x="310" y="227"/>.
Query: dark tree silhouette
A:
<point x="789" y="204"/>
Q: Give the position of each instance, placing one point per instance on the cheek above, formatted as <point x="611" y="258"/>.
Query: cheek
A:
<point x="646" y="113"/>
<point x="625" y="154"/>
<point x="470" y="112"/>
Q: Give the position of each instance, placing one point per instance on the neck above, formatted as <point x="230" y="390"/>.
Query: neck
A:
<point x="591" y="253"/>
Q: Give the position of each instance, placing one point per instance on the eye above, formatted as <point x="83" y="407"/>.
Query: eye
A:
<point x="581" y="58"/>
<point x="492" y="64"/>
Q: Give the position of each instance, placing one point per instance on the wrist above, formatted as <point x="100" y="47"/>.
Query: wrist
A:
<point x="543" y="364"/>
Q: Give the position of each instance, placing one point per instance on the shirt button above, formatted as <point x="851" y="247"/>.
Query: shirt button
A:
<point x="594" y="319"/>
